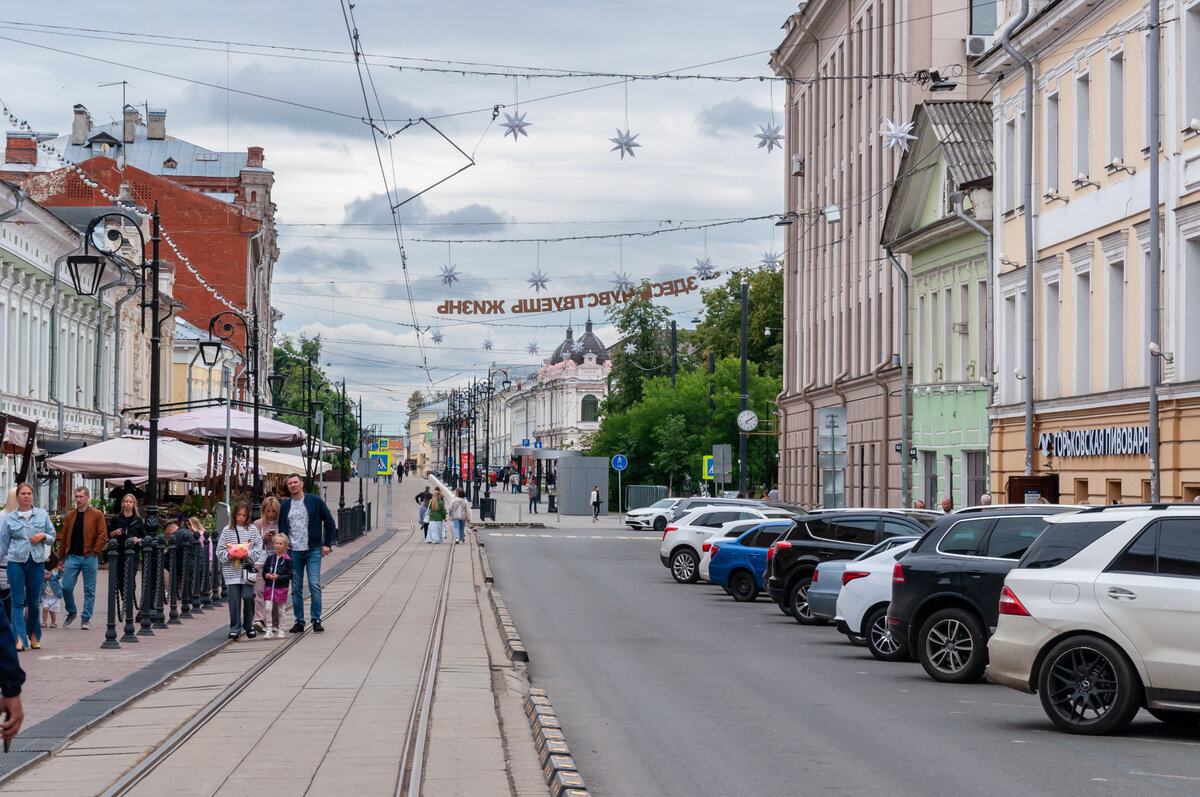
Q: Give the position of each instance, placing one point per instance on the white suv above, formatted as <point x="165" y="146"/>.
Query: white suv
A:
<point x="654" y="516"/>
<point x="1101" y="617"/>
<point x="683" y="539"/>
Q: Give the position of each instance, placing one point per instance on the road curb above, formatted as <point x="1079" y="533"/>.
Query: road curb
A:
<point x="558" y="766"/>
<point x="512" y="640"/>
<point x="484" y="564"/>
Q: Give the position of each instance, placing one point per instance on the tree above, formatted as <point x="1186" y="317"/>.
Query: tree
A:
<point x="721" y="330"/>
<point x="675" y="445"/>
<point x="292" y="401"/>
<point x="642" y="351"/>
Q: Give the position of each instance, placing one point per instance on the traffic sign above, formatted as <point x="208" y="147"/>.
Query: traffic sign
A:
<point x="537" y="443"/>
<point x="619" y="462"/>
<point x="525" y="442"/>
<point x="708" y="468"/>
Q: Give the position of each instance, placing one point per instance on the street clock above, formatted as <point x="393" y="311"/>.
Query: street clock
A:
<point x="747" y="420"/>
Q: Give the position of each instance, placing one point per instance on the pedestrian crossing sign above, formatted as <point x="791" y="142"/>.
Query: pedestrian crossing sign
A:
<point x="382" y="461"/>
<point x="708" y="467"/>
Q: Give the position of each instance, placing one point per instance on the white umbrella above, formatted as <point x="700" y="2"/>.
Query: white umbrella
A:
<point x="280" y="463"/>
<point x="210" y="422"/>
<point x="128" y="457"/>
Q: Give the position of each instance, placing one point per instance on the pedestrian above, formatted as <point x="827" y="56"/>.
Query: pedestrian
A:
<point x="51" y="593"/>
<point x="400" y="471"/>
<point x="126" y="527"/>
<point x="12" y="677"/>
<point x="985" y="499"/>
<point x="267" y="525"/>
<point x="10" y="506"/>
<point x="277" y="575"/>
<point x="238" y="549"/>
<point x="534" y="495"/>
<point x="595" y="503"/>
<point x="307" y="522"/>
<point x="460" y="513"/>
<point x="25" y="542"/>
<point x="437" y="516"/>
<point x="947" y="505"/>
<point x="80" y="545"/>
<point x="918" y="504"/>
<point x="423" y="511"/>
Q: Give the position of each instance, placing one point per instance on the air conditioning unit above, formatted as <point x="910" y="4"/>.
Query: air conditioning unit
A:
<point x="977" y="45"/>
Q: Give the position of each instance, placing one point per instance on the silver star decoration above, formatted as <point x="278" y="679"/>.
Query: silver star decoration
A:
<point x="487" y="344"/>
<point x="770" y="137"/>
<point x="896" y="136"/>
<point x="450" y="274"/>
<point x="625" y="143"/>
<point x="437" y="336"/>
<point x="704" y="269"/>
<point x="515" y="125"/>
<point x="532" y="348"/>
<point x="622" y="282"/>
<point x="770" y="260"/>
<point x="537" y="280"/>
<point x="577" y="348"/>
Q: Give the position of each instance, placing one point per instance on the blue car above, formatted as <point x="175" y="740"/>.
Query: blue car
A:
<point x="739" y="564"/>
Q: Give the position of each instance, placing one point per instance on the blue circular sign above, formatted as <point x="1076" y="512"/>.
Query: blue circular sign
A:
<point x="619" y="462"/>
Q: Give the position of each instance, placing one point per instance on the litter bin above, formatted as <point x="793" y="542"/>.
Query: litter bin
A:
<point x="551" y="506"/>
<point x="487" y="509"/>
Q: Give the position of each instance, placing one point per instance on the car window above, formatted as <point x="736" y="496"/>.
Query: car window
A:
<point x="1179" y="547"/>
<point x="1138" y="557"/>
<point x="893" y="528"/>
<point x="965" y="536"/>
<point x="702" y="519"/>
<point x="861" y="530"/>
<point x="745" y="515"/>
<point x="1060" y="541"/>
<point x="768" y="535"/>
<point x="721" y="518"/>
<point x="738" y="529"/>
<point x="820" y="528"/>
<point x="1012" y="536"/>
<point x="750" y="540"/>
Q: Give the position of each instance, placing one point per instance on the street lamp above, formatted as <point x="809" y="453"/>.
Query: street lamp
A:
<point x="87" y="272"/>
<point x="276" y="383"/>
<point x="222" y="326"/>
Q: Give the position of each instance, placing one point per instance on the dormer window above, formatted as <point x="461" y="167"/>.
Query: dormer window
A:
<point x="170" y="163"/>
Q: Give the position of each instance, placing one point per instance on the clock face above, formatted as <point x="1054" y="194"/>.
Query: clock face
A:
<point x="747" y="420"/>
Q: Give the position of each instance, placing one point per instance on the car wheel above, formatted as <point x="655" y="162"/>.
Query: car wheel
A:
<point x="742" y="587"/>
<point x="660" y="523"/>
<point x="882" y="643"/>
<point x="1175" y="717"/>
<point x="952" y="647"/>
<point x="684" y="566"/>
<point x="797" y="601"/>
<point x="1088" y="686"/>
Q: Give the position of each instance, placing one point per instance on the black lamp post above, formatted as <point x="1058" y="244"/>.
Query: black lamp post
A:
<point x="489" y="385"/>
<point x="222" y="326"/>
<point x="342" y="445"/>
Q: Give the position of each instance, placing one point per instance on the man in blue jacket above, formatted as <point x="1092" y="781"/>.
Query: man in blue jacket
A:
<point x="302" y="518"/>
<point x="11" y="679"/>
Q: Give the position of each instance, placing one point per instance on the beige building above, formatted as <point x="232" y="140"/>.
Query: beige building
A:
<point x="1090" y="299"/>
<point x="421" y="435"/>
<point x="839" y="408"/>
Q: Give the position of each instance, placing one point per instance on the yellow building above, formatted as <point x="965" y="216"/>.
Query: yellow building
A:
<point x="1090" y="302"/>
<point x="191" y="379"/>
<point x="421" y="434"/>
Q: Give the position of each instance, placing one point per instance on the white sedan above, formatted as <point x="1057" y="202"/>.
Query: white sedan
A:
<point x="680" y="549"/>
<point x="863" y="601"/>
<point x="730" y="531"/>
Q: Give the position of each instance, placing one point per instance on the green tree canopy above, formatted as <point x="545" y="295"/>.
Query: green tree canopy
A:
<point x="721" y="329"/>
<point x="293" y="359"/>
<point x="645" y="352"/>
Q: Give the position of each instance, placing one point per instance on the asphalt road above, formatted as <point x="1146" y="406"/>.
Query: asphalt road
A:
<point x="672" y="689"/>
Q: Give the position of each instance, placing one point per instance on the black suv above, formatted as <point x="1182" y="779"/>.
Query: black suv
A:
<point x="946" y="589"/>
<point x="826" y="535"/>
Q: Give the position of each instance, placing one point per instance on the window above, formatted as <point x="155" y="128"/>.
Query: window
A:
<point x="964" y="338"/>
<point x="1050" y="342"/>
<point x="1083" y="154"/>
<point x="820" y="528"/>
<point x="1060" y="541"/>
<point x="1179" y="547"/>
<point x="1008" y="371"/>
<point x="1138" y="557"/>
<point x="1190" y="354"/>
<point x="1053" y="183"/>
<point x="1012" y="536"/>
<point x="861" y="531"/>
<point x="1114" y="325"/>
<point x="929" y="477"/>
<point x="965" y="536"/>
<point x="894" y="528"/>
<point x="1010" y="165"/>
<point x="1116" y="107"/>
<point x="1191" y="37"/>
<point x="1083" y="333"/>
<point x="705" y="520"/>
<point x="767" y="537"/>
<point x="983" y="17"/>
<point x="589" y="410"/>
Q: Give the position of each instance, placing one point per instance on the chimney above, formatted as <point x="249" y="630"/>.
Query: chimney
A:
<point x="81" y="126"/>
<point x="156" y="124"/>
<point x="254" y="157"/>
<point x="20" y="147"/>
<point x="130" y="126"/>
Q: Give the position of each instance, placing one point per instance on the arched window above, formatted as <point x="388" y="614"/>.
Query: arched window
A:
<point x="253" y="196"/>
<point x="590" y="410"/>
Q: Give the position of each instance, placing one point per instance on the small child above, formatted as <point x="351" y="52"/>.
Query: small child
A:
<point x="51" y="592"/>
<point x="277" y="578"/>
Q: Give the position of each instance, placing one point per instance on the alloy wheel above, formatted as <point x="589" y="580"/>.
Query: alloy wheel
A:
<point x="1082" y="686"/>
<point x="949" y="645"/>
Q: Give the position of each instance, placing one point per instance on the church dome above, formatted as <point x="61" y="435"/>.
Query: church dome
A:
<point x="576" y="350"/>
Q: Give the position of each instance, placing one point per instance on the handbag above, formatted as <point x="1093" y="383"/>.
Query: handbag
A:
<point x="248" y="572"/>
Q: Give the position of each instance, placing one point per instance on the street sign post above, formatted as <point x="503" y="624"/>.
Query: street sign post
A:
<point x="537" y="443"/>
<point x="722" y="466"/>
<point x="524" y="442"/>
<point x="619" y="463"/>
<point x="708" y="468"/>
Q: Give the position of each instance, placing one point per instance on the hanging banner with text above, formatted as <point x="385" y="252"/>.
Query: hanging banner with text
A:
<point x="579" y="301"/>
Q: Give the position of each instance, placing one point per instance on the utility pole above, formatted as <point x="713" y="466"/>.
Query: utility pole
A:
<point x="360" y="450"/>
<point x="1153" y="58"/>
<point x="744" y="395"/>
<point x="674" y="354"/>
<point x="345" y="459"/>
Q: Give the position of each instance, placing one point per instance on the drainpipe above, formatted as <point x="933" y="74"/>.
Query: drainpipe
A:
<point x="884" y="362"/>
<point x="1027" y="201"/>
<point x="957" y="198"/>
<point x="133" y="291"/>
<point x="98" y="405"/>
<point x="19" y="197"/>
<point x="905" y="433"/>
<point x="1153" y="262"/>
<point x="54" y="376"/>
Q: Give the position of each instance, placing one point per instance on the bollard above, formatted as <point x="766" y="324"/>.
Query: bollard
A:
<point x="214" y="584"/>
<point x="203" y="587"/>
<point x="187" y="547"/>
<point x="172" y="554"/>
<point x="157" y="550"/>
<point x="110" y="629"/>
<point x="131" y="562"/>
<point x="146" y="615"/>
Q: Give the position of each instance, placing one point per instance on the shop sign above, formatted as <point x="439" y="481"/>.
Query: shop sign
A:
<point x="1113" y="441"/>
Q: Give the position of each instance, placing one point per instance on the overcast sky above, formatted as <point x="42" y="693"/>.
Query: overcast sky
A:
<point x="339" y="273"/>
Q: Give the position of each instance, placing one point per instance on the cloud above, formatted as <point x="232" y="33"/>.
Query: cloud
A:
<point x="474" y="219"/>
<point x="730" y="118"/>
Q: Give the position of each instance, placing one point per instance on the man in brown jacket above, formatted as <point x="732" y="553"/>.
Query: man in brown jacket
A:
<point x="80" y="543"/>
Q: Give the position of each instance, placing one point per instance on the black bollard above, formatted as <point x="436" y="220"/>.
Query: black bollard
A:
<point x="172" y="557"/>
<point x="216" y="572"/>
<point x="203" y="590"/>
<point x="146" y="615"/>
<point x="110" y="630"/>
<point x="158" y="554"/>
<point x="186" y="548"/>
<point x="131" y="562"/>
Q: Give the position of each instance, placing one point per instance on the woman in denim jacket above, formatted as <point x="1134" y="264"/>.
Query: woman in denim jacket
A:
<point x="23" y="545"/>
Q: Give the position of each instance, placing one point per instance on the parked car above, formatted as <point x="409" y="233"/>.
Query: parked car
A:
<point x="1101" y="617"/>
<point x="680" y="550"/>
<point x="819" y="537"/>
<point x="729" y="531"/>
<point x="945" y="591"/>
<point x="827" y="578"/>
<point x="739" y="564"/>
<point x="863" y="600"/>
<point x="691" y="504"/>
<point x="654" y="516"/>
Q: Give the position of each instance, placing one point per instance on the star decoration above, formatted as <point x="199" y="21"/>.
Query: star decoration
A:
<point x="450" y="274"/>
<point x="896" y="136"/>
<point x="770" y="137"/>
<point x="704" y="269"/>
<point x="437" y="336"/>
<point x="487" y="344"/>
<point x="622" y="282"/>
<point x="537" y="280"/>
<point x="514" y="125"/>
<point x="625" y="143"/>
<point x="770" y="260"/>
<point x="577" y="348"/>
<point x="532" y="348"/>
